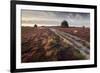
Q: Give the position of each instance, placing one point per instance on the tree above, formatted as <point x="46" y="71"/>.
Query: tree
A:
<point x="83" y="27"/>
<point x="35" y="25"/>
<point x="64" y="24"/>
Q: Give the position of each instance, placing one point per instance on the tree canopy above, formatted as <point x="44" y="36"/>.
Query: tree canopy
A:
<point x="64" y="24"/>
<point x="35" y="25"/>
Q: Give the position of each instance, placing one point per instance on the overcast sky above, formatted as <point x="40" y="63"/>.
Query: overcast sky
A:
<point x="52" y="18"/>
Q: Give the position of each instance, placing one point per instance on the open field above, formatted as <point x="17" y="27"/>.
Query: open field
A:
<point x="81" y="32"/>
<point x="42" y="44"/>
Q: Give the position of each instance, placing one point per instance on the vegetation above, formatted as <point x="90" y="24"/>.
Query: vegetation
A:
<point x="35" y="25"/>
<point x="64" y="24"/>
<point x="45" y="46"/>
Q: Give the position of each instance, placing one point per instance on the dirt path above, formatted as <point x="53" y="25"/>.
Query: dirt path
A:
<point x="77" y="43"/>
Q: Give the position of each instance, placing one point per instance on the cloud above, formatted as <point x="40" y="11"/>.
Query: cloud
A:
<point x="55" y="18"/>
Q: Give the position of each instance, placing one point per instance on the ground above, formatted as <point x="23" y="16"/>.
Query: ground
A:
<point x="42" y="44"/>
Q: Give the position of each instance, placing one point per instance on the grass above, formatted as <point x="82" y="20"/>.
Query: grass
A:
<point x="78" y="55"/>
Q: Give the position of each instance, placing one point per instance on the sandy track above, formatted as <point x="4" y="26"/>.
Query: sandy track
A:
<point x="76" y="42"/>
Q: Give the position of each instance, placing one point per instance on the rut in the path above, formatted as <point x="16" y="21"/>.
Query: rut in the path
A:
<point x="74" y="42"/>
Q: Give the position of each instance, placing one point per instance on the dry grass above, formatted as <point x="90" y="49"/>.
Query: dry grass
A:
<point x="41" y="44"/>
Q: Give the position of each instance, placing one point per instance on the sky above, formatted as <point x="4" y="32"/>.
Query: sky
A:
<point x="54" y="18"/>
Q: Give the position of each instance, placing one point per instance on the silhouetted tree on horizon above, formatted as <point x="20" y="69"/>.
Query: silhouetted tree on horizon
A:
<point x="35" y="25"/>
<point x="64" y="24"/>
